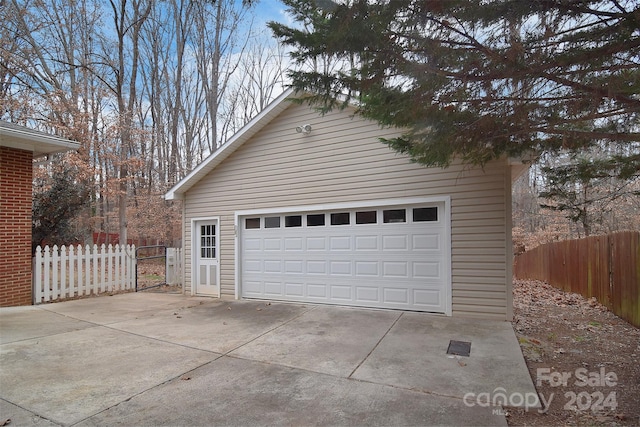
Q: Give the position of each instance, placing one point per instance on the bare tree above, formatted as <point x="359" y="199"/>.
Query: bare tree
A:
<point x="128" y="19"/>
<point x="148" y="88"/>
<point x="261" y="77"/>
<point x="49" y="75"/>
<point x="217" y="52"/>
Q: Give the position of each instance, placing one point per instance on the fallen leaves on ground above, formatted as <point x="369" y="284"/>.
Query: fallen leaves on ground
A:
<point x="598" y="353"/>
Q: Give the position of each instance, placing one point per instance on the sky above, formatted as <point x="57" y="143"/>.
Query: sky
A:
<point x="270" y="10"/>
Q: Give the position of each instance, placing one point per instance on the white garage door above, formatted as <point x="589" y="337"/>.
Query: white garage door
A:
<point x="388" y="257"/>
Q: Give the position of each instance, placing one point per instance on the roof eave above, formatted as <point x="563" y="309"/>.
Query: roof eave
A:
<point x="244" y="134"/>
<point x="38" y="143"/>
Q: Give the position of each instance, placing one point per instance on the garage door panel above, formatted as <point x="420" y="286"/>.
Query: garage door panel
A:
<point x="367" y="268"/>
<point x="395" y="242"/>
<point x="427" y="270"/>
<point x="426" y="297"/>
<point x="253" y="287"/>
<point x="341" y="292"/>
<point x="429" y="242"/>
<point x="367" y="294"/>
<point x="316" y="243"/>
<point x="293" y="244"/>
<point x="317" y="291"/>
<point x="294" y="289"/>
<point x="293" y="267"/>
<point x="398" y="269"/>
<point x="367" y="243"/>
<point x="253" y="266"/>
<point x="340" y="243"/>
<point x="396" y="296"/>
<point x="342" y="268"/>
<point x="272" y="266"/>
<point x="316" y="267"/>
<point x="388" y="265"/>
<point x="273" y="288"/>
<point x="273" y="244"/>
<point x="252" y="244"/>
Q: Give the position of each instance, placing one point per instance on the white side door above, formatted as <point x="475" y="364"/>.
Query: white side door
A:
<point x="207" y="265"/>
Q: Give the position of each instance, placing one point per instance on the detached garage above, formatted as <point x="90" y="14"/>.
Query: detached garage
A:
<point x="309" y="208"/>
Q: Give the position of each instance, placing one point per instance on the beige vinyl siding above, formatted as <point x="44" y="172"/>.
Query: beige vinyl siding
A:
<point x="342" y="161"/>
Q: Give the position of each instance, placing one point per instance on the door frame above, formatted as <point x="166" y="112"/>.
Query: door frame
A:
<point x="445" y="200"/>
<point x="195" y="253"/>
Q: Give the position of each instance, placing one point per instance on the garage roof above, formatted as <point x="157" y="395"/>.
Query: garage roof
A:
<point x="39" y="143"/>
<point x="243" y="135"/>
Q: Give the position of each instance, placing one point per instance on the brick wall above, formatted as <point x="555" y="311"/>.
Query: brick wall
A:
<point x="16" y="174"/>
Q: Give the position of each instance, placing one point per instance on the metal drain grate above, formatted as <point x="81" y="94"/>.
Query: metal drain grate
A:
<point x="459" y="348"/>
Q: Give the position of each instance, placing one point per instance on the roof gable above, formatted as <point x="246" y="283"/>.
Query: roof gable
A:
<point x="268" y="115"/>
<point x="236" y="141"/>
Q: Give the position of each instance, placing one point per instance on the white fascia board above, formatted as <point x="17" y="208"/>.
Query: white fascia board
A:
<point x="39" y="143"/>
<point x="244" y="134"/>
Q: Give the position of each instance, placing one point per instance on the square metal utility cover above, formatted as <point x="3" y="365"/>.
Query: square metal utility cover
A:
<point x="459" y="348"/>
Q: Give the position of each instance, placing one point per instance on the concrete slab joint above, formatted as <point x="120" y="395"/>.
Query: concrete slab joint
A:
<point x="160" y="359"/>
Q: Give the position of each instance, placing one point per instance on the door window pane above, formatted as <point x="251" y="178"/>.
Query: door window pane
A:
<point x="208" y="241"/>
<point x="315" y="220"/>
<point x="293" y="221"/>
<point x="340" y="218"/>
<point x="272" y="222"/>
<point x="252" y="223"/>
<point x="208" y="252"/>
<point x="425" y="214"/>
<point x="366" y="217"/>
<point x="394" y="215"/>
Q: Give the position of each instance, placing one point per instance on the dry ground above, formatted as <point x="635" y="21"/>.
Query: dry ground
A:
<point x="583" y="360"/>
<point x="151" y="274"/>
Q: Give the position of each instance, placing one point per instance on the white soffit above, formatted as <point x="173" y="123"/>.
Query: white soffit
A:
<point x="39" y="143"/>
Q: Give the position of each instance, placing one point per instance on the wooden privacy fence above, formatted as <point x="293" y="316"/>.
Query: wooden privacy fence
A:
<point x="604" y="267"/>
<point x="60" y="273"/>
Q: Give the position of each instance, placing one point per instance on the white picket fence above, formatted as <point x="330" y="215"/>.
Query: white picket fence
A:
<point x="60" y="273"/>
<point x="174" y="266"/>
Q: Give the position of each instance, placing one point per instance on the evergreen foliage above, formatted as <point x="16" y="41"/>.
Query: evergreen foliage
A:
<point x="57" y="198"/>
<point x="477" y="80"/>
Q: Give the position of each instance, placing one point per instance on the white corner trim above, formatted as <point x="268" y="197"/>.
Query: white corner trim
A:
<point x="236" y="257"/>
<point x="449" y="252"/>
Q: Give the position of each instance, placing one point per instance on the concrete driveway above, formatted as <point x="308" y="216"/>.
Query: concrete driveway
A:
<point x="166" y="359"/>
